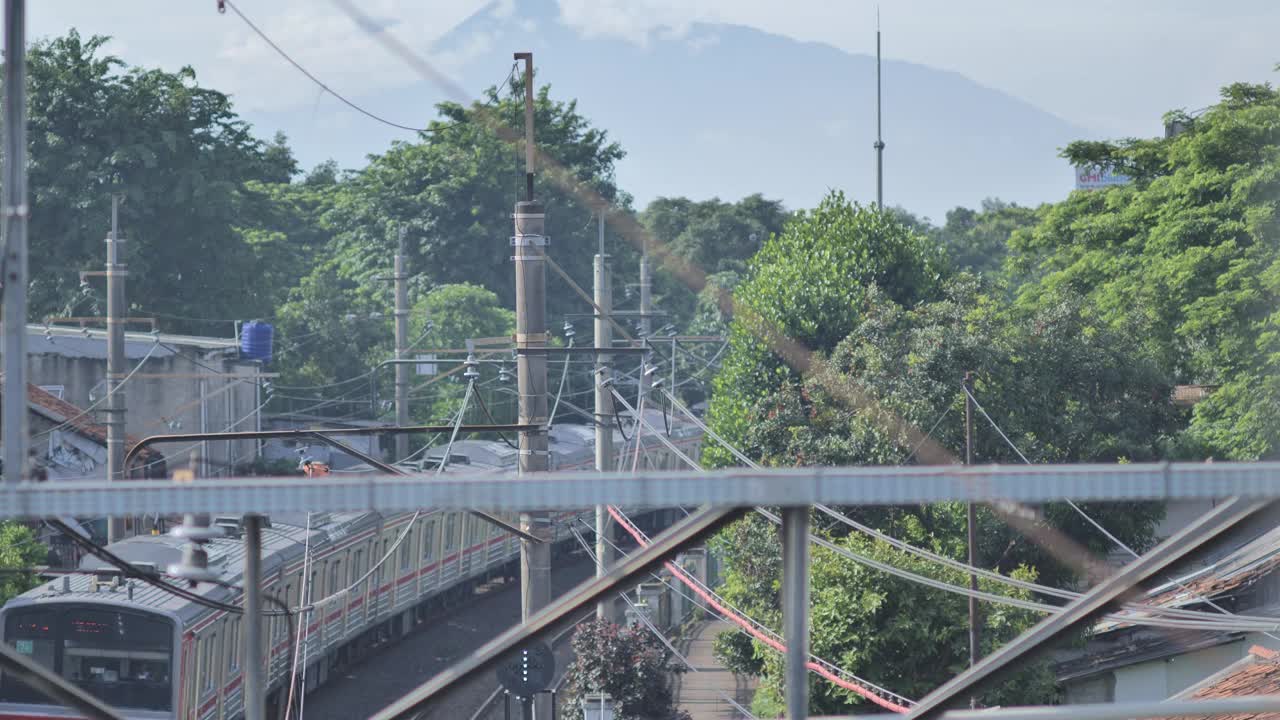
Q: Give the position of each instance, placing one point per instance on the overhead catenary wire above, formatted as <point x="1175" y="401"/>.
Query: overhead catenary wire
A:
<point x="862" y="689"/>
<point x="644" y="620"/>
<point x="1189" y="618"/>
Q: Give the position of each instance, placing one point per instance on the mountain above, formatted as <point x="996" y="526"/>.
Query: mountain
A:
<point x="722" y="110"/>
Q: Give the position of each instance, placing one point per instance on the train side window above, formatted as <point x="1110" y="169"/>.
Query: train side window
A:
<point x="406" y="550"/>
<point x="314" y="591"/>
<point x="207" y="673"/>
<point x="233" y="645"/>
<point x="428" y="540"/>
<point x="450" y="532"/>
<point x="335" y="576"/>
<point x="358" y="568"/>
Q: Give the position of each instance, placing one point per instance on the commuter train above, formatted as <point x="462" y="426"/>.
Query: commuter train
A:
<point x="153" y="655"/>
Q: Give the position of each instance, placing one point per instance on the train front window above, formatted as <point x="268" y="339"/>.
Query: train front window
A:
<point x="32" y="633"/>
<point x="123" y="658"/>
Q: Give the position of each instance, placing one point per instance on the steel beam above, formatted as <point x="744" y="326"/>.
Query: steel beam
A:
<point x="580" y="489"/>
<point x="1234" y="706"/>
<point x="565" y="610"/>
<point x="1106" y="595"/>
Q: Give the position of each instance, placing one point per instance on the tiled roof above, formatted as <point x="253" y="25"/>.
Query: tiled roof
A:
<point x="1257" y="674"/>
<point x="61" y="411"/>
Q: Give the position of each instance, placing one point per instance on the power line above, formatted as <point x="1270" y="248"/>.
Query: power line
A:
<point x="280" y="51"/>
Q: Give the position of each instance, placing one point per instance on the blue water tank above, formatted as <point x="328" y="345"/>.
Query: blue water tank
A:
<point x="255" y="341"/>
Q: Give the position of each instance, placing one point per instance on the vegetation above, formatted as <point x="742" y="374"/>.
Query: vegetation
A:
<point x="1076" y="320"/>
<point x="629" y="664"/>
<point x="19" y="551"/>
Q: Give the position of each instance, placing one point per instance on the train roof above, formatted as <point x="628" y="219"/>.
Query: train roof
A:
<point x="283" y="544"/>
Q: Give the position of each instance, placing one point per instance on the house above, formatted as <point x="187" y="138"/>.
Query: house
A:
<point x="68" y="445"/>
<point x="177" y="384"/>
<point x="1257" y="673"/>
<point x="1122" y="662"/>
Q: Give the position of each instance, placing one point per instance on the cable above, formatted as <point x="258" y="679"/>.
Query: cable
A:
<point x="863" y="689"/>
<point x="489" y="416"/>
<point x="317" y="80"/>
<point x="928" y="435"/>
<point x="657" y="633"/>
<point x="104" y="398"/>
<point x="1095" y="523"/>
<point x="304" y="595"/>
<point x="564" y="374"/>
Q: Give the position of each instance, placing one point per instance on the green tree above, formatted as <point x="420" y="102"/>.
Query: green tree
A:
<point x="807" y="284"/>
<point x="716" y="236"/>
<point x="447" y="317"/>
<point x="1186" y="257"/>
<point x="18" y="550"/>
<point x="629" y="664"/>
<point x="451" y="192"/>
<point x="181" y="158"/>
<point x="977" y="240"/>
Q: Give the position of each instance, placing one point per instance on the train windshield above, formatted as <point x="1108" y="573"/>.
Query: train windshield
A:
<point x="124" y="658"/>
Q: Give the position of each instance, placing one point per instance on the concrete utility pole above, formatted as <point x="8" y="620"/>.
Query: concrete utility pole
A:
<point x="603" y="412"/>
<point x="879" y="146"/>
<point x="973" y="529"/>
<point x="531" y="365"/>
<point x="646" y="298"/>
<point x="116" y="312"/>
<point x="15" y="212"/>
<point x="401" y="278"/>
<point x="254" y="662"/>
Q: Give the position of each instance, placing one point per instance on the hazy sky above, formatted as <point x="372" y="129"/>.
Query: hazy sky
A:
<point x="1110" y="66"/>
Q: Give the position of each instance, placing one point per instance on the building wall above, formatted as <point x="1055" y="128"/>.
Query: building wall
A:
<point x="198" y="396"/>
<point x="1162" y="678"/>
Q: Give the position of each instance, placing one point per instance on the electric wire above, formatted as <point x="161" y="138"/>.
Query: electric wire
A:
<point x="864" y="689"/>
<point x="1086" y="516"/>
<point x="564" y="375"/>
<point x="341" y="98"/>
<point x="101" y="400"/>
<point x="658" y="633"/>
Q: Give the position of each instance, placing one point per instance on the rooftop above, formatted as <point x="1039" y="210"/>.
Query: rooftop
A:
<point x="1258" y="673"/>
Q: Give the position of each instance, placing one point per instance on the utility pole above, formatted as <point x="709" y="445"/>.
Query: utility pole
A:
<point x="879" y="146"/>
<point x="973" y="532"/>
<point x="254" y="662"/>
<point x="15" y="212"/>
<point x="116" y="274"/>
<point x="646" y="298"/>
<point x="603" y="410"/>
<point x="530" y="242"/>
<point x="401" y="278"/>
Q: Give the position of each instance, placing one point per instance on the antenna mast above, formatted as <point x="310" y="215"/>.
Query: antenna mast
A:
<point x="879" y="146"/>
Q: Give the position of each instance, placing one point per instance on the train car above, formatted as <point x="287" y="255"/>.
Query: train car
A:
<point x="367" y="579"/>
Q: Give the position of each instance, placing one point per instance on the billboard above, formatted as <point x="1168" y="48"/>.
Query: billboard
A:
<point x="1092" y="178"/>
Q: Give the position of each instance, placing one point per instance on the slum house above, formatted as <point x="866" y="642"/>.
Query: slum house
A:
<point x="68" y="445"/>
<point x="1122" y="662"/>
<point x="180" y="384"/>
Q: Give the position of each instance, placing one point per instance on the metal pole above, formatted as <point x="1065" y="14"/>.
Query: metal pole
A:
<point x="506" y="705"/>
<point x="604" y="415"/>
<point x="15" y="212"/>
<point x="402" y="340"/>
<point x="116" y="530"/>
<point x="255" y="684"/>
<point x="795" y="608"/>
<point x="972" y="518"/>
<point x="646" y="300"/>
<point x="531" y="372"/>
<point x="528" y="123"/>
<point x="879" y="146"/>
